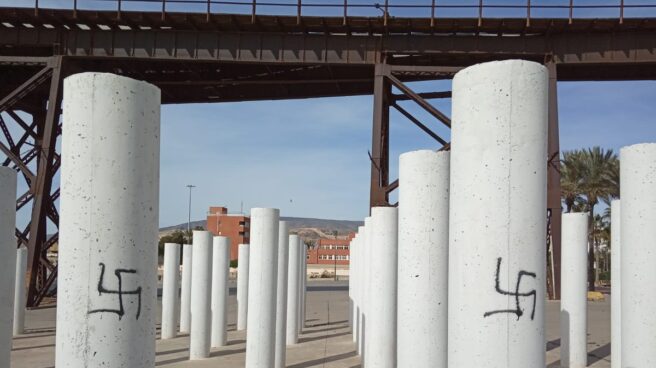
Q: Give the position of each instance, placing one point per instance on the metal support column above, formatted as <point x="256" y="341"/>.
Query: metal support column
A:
<point x="553" y="180"/>
<point x="379" y="194"/>
<point x="43" y="102"/>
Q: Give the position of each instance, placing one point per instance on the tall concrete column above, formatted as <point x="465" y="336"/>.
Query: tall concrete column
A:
<point x="616" y="286"/>
<point x="368" y="253"/>
<point x="220" y="274"/>
<point x="303" y="292"/>
<point x="20" y="291"/>
<point x="497" y="216"/>
<point x="185" y="288"/>
<point x="170" y="290"/>
<point x="423" y="259"/>
<point x="638" y="238"/>
<point x="281" y="297"/>
<point x="353" y="302"/>
<point x="262" y="290"/>
<point x="242" y="286"/>
<point x="362" y="302"/>
<point x="293" y="289"/>
<point x="201" y="290"/>
<point x="574" y="295"/>
<point x="381" y="326"/>
<point x="109" y="206"/>
<point x="7" y="260"/>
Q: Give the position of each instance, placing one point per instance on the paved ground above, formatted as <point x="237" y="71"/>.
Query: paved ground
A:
<point x="325" y="342"/>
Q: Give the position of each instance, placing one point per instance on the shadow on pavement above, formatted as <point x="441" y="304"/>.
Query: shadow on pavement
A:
<point x="325" y="360"/>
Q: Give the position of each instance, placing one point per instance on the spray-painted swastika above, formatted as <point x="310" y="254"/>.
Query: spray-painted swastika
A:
<point x="120" y="292"/>
<point x="518" y="310"/>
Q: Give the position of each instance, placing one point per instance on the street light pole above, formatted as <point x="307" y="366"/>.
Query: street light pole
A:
<point x="189" y="214"/>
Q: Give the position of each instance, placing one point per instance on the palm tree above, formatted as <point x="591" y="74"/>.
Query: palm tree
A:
<point x="571" y="180"/>
<point x="597" y="179"/>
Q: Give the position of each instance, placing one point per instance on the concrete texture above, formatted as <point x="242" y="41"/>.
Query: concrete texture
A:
<point x="220" y="276"/>
<point x="497" y="212"/>
<point x="381" y="315"/>
<point x="293" y="289"/>
<point x="324" y="343"/>
<point x="170" y="290"/>
<point x="423" y="259"/>
<point x="242" y="286"/>
<point x="185" y="288"/>
<point x="262" y="290"/>
<point x="574" y="271"/>
<point x="201" y="294"/>
<point x="638" y="236"/>
<point x="20" y="291"/>
<point x="281" y="296"/>
<point x="616" y="293"/>
<point x="7" y="259"/>
<point x="109" y="215"/>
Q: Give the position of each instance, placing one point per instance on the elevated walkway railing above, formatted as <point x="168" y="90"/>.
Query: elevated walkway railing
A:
<point x="385" y="9"/>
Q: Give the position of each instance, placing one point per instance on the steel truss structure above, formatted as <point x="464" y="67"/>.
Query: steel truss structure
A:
<point x="40" y="97"/>
<point x="218" y="57"/>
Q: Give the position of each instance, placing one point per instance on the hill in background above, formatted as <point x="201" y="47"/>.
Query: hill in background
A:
<point x="307" y="228"/>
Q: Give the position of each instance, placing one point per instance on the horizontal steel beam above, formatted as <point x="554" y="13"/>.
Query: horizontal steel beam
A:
<point x="583" y="55"/>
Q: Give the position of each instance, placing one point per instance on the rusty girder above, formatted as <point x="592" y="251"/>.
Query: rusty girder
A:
<point x="33" y="155"/>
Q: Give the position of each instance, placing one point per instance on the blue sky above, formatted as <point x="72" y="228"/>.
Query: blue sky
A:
<point x="309" y="157"/>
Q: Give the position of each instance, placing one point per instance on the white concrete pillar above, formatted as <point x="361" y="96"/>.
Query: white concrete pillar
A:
<point x="20" y="291"/>
<point x="242" y="285"/>
<point x="574" y="291"/>
<point x="220" y="274"/>
<point x="638" y="259"/>
<point x="361" y="287"/>
<point x="616" y="286"/>
<point x="170" y="290"/>
<point x="281" y="297"/>
<point x="381" y="325"/>
<point x="303" y="292"/>
<point x="366" y="284"/>
<point x="423" y="259"/>
<point x="185" y="288"/>
<point x="201" y="290"/>
<point x="353" y="302"/>
<point x="293" y="289"/>
<point x="262" y="290"/>
<point x="497" y="216"/>
<point x="109" y="208"/>
<point x="7" y="260"/>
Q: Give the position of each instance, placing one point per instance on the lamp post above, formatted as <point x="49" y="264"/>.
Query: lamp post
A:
<point x="189" y="213"/>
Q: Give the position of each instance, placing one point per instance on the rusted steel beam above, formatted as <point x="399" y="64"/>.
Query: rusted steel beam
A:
<point x="28" y="86"/>
<point x="553" y="177"/>
<point x="378" y="195"/>
<point x="41" y="187"/>
<point x="418" y="123"/>
<point x="420" y="101"/>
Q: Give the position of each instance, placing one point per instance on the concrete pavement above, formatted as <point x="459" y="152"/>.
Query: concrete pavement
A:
<point x="325" y="342"/>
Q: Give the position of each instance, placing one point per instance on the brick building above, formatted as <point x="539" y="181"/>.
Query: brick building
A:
<point x="331" y="251"/>
<point x="234" y="226"/>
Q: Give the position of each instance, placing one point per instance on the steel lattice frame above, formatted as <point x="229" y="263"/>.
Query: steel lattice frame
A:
<point x="40" y="97"/>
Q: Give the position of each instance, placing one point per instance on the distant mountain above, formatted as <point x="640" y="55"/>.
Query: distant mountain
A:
<point x="308" y="228"/>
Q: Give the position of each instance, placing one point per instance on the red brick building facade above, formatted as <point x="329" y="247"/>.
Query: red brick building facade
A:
<point x="234" y="226"/>
<point x="331" y="251"/>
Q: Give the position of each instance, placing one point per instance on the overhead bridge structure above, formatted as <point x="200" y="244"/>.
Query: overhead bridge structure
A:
<point x="208" y="55"/>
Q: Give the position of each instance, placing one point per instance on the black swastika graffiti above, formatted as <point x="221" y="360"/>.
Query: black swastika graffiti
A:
<point x="120" y="292"/>
<point x="518" y="310"/>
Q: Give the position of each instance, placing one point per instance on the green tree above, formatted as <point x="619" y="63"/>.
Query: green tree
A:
<point x="177" y="237"/>
<point x="587" y="177"/>
<point x="571" y="185"/>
